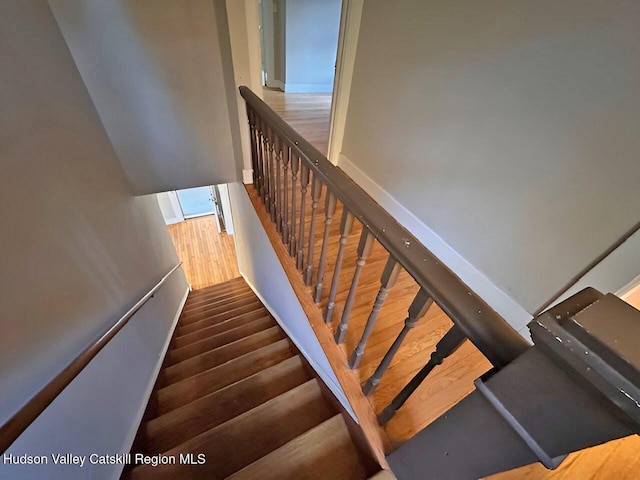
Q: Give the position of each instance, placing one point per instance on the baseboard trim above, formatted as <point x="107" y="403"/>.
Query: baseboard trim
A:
<point x="342" y="398"/>
<point x="156" y="371"/>
<point x="497" y="299"/>
<point x="247" y="176"/>
<point x="307" y="88"/>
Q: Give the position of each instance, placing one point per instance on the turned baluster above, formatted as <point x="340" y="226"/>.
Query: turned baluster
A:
<point x="387" y="281"/>
<point x="345" y="229"/>
<point x="304" y="182"/>
<point x="272" y="175"/>
<point x="285" y="209"/>
<point x="445" y="347"/>
<point x="418" y="308"/>
<point x="265" y="165"/>
<point x="254" y="152"/>
<point x="278" y="155"/>
<point x="316" y="192"/>
<point x="329" y="210"/>
<point x="364" y="249"/>
<point x="295" y="163"/>
<point x="260" y="155"/>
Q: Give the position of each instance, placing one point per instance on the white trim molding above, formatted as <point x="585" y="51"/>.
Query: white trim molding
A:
<point x="247" y="176"/>
<point x="347" y="46"/>
<point x="497" y="299"/>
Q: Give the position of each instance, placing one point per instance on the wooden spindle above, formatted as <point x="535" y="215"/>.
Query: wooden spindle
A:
<point x="278" y="202"/>
<point x="329" y="210"/>
<point x="272" y="175"/>
<point x="304" y="182"/>
<point x="418" y="308"/>
<point x="259" y="173"/>
<point x="252" y="141"/>
<point x="265" y="165"/>
<point x="316" y="192"/>
<point x="387" y="281"/>
<point x="345" y="229"/>
<point x="295" y="163"/>
<point x="364" y="249"/>
<point x="445" y="347"/>
<point x="285" y="206"/>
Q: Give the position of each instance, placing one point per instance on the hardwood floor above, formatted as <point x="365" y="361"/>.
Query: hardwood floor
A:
<point x="208" y="257"/>
<point x="448" y="383"/>
<point x="307" y="113"/>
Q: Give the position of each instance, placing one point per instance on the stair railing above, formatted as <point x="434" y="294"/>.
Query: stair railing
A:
<point x="19" y="422"/>
<point x="288" y="173"/>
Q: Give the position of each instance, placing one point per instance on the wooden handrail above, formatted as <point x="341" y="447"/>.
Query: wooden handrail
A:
<point x="493" y="336"/>
<point x="18" y="423"/>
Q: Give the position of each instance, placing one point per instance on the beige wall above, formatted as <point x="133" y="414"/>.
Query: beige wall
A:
<point x="155" y="70"/>
<point x="509" y="128"/>
<point x="78" y="249"/>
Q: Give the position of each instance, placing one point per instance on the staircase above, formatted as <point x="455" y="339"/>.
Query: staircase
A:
<point x="234" y="392"/>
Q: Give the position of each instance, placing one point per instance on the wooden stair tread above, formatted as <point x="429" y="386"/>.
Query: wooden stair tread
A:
<point x="218" y="356"/>
<point x="193" y="304"/>
<point x="246" y="438"/>
<point x="213" y="309"/>
<point x="179" y="354"/>
<point x="216" y="302"/>
<point x="217" y="317"/>
<point x="177" y="426"/>
<point x="192" y="388"/>
<point x="220" y="317"/>
<point x="220" y="287"/>
<point x="324" y="452"/>
<point x="218" y="328"/>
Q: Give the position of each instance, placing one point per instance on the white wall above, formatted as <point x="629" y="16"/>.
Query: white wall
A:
<point x="79" y="250"/>
<point x="311" y="44"/>
<point x="508" y="129"/>
<point x="155" y="70"/>
<point x="170" y="207"/>
<point x="261" y="268"/>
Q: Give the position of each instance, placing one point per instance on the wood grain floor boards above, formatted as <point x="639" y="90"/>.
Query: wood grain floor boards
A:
<point x="208" y="257"/>
<point x="216" y="378"/>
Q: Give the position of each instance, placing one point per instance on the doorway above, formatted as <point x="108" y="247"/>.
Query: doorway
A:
<point x="196" y="202"/>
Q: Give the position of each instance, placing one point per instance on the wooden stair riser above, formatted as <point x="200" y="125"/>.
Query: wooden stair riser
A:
<point x="221" y="287"/>
<point x="218" y="356"/>
<point x="218" y="328"/>
<point x="324" y="452"/>
<point x="217" y="315"/>
<point x="183" y="353"/>
<point x="177" y="426"/>
<point x="221" y="317"/>
<point x="214" y="379"/>
<point x="215" y="308"/>
<point x="244" y="439"/>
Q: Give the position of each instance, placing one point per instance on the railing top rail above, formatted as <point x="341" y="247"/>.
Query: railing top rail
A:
<point x="19" y="422"/>
<point x="493" y="336"/>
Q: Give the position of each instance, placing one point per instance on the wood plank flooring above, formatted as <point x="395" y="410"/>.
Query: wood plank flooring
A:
<point x="449" y="383"/>
<point x="307" y="113"/>
<point x="208" y="257"/>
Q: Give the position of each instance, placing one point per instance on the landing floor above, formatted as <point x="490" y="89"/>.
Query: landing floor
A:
<point x="208" y="257"/>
